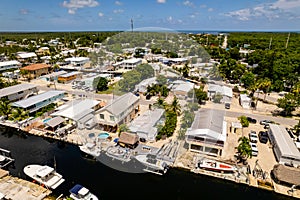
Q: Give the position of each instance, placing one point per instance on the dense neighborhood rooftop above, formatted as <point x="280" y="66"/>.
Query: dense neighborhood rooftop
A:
<point x="15" y="89"/>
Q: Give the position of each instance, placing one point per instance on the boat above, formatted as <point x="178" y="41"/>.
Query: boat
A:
<point x="152" y="164"/>
<point x="5" y="158"/>
<point x="44" y="175"/>
<point x="78" y="192"/>
<point x="90" y="149"/>
<point x="214" y="165"/>
<point x="119" y="153"/>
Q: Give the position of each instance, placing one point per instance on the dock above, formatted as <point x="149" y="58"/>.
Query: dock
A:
<point x="14" y="188"/>
<point x="5" y="158"/>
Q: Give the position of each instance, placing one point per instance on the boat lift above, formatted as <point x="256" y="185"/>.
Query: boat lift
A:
<point x="5" y="158"/>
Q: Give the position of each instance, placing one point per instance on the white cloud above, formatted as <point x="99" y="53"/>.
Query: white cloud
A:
<point x="210" y="9"/>
<point x="203" y="6"/>
<point x="188" y="3"/>
<point x="100" y="14"/>
<point x="73" y="5"/>
<point x="118" y="11"/>
<point x="283" y="9"/>
<point x="118" y="3"/>
<point x="161" y="1"/>
<point x="23" y="11"/>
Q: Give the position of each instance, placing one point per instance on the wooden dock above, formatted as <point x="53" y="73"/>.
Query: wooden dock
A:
<point x="15" y="188"/>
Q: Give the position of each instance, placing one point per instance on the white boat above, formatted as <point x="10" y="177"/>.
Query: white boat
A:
<point x="119" y="153"/>
<point x="215" y="165"/>
<point x="90" y="149"/>
<point x="44" y="175"/>
<point x="78" y="192"/>
<point x="152" y="164"/>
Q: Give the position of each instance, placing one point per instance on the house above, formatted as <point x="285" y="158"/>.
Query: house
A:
<point x="43" y="51"/>
<point x="208" y="134"/>
<point x="225" y="91"/>
<point x="245" y="101"/>
<point x="121" y="110"/>
<point x="80" y="111"/>
<point x="17" y="92"/>
<point x="68" y="77"/>
<point x="23" y="56"/>
<point x="128" y="64"/>
<point x="36" y="70"/>
<point x="78" y="61"/>
<point x="39" y="101"/>
<point x="145" y="125"/>
<point x="181" y="88"/>
<point x="53" y="76"/>
<point x="12" y="64"/>
<point x="130" y="140"/>
<point x="142" y="86"/>
<point x="89" y="81"/>
<point x="284" y="147"/>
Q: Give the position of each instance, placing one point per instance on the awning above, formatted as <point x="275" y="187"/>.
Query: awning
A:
<point x="55" y="121"/>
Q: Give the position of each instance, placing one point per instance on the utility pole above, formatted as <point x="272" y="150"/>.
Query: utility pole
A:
<point x="131" y="25"/>
<point x="287" y="41"/>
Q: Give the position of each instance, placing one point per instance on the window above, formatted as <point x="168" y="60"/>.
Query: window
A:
<point x="112" y="118"/>
<point x="101" y="116"/>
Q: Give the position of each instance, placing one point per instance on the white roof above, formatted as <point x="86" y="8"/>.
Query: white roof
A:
<point x="284" y="141"/>
<point x="244" y="97"/>
<point x="8" y="63"/>
<point x="44" y="171"/>
<point x="77" y="59"/>
<point x="25" y="103"/>
<point x="132" y="61"/>
<point x="77" y="109"/>
<point x="224" y="90"/>
<point x="27" y="55"/>
<point x="15" y="89"/>
<point x="70" y="74"/>
<point x="83" y="191"/>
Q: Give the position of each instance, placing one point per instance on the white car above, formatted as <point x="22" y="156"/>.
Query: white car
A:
<point x="254" y="149"/>
<point x="253" y="137"/>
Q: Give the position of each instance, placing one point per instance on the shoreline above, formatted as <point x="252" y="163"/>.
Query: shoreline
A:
<point x="250" y="181"/>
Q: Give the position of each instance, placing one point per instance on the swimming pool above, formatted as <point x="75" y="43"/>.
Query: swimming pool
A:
<point x="46" y="120"/>
<point x="103" y="135"/>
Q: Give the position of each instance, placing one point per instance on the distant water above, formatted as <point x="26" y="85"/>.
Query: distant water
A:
<point x="108" y="183"/>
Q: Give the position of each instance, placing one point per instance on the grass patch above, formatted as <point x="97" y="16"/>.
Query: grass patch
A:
<point x="112" y="89"/>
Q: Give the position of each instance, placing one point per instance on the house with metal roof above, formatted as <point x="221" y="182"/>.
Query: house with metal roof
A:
<point x="245" y="101"/>
<point x="145" y="125"/>
<point x="223" y="90"/>
<point x="284" y="148"/>
<point x="120" y="110"/>
<point x="208" y="132"/>
<point x="142" y="86"/>
<point x="65" y="78"/>
<point x="39" y="101"/>
<point x="53" y="75"/>
<point x="77" y="61"/>
<point x="17" y="92"/>
<point x="181" y="88"/>
<point x="12" y="64"/>
<point x="80" y="111"/>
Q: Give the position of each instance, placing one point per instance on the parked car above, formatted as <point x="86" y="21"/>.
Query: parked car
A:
<point x="265" y="121"/>
<point x="263" y="137"/>
<point x="251" y="120"/>
<point x="227" y="105"/>
<point x="253" y="137"/>
<point x="254" y="149"/>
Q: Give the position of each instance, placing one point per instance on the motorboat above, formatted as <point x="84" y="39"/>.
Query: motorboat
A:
<point x="119" y="153"/>
<point x="44" y="175"/>
<point x="214" y="165"/>
<point x="152" y="164"/>
<point x="78" y="192"/>
<point x="90" y="149"/>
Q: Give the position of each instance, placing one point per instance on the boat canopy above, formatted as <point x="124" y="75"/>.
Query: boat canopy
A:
<point x="79" y="190"/>
<point x="44" y="171"/>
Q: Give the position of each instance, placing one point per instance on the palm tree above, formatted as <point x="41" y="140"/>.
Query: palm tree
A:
<point x="175" y="106"/>
<point x="5" y="108"/>
<point x="19" y="114"/>
<point x="244" y="148"/>
<point x="264" y="85"/>
<point x="160" y="103"/>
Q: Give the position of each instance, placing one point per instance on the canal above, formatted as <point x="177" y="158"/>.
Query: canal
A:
<point x="108" y="183"/>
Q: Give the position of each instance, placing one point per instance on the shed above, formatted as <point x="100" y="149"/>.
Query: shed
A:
<point x="128" y="139"/>
<point x="286" y="175"/>
<point x="55" y="122"/>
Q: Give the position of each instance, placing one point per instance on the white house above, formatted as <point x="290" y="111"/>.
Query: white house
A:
<point x="223" y="90"/>
<point x="245" y="101"/>
<point x="284" y="147"/>
<point x="17" y="92"/>
<point x="121" y="110"/>
<point x="9" y="65"/>
<point x="208" y="132"/>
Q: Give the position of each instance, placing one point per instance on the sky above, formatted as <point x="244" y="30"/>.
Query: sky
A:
<point x="105" y="15"/>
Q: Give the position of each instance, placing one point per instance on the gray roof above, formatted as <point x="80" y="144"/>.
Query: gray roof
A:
<point x="121" y="104"/>
<point x="284" y="141"/>
<point x="55" y="121"/>
<point x="37" y="98"/>
<point x="224" y="90"/>
<point x="15" y="89"/>
<point x="209" y="122"/>
<point x="146" y="122"/>
<point x="77" y="109"/>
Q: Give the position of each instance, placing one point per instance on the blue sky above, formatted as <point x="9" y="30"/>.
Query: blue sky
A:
<point x="100" y="15"/>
